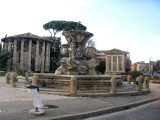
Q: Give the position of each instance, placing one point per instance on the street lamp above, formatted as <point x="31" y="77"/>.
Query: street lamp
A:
<point x="150" y="70"/>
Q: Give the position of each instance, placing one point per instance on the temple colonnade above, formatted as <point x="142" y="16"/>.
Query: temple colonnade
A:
<point x="30" y="52"/>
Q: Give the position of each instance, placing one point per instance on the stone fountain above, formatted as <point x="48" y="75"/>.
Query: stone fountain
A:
<point x="77" y="63"/>
<point x="77" y="66"/>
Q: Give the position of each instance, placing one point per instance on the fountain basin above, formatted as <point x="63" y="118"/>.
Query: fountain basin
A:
<point x="84" y="82"/>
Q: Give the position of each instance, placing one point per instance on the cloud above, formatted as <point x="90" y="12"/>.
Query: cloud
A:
<point x="154" y="38"/>
<point x="87" y="3"/>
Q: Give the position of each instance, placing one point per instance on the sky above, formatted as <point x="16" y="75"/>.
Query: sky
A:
<point x="128" y="25"/>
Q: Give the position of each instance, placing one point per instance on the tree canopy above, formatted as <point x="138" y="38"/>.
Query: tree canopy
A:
<point x="56" y="26"/>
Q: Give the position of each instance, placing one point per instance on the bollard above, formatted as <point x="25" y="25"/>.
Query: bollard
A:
<point x="26" y="76"/>
<point x="146" y="82"/>
<point x="73" y="87"/>
<point x="7" y="78"/>
<point x="113" y="88"/>
<point x="33" y="89"/>
<point x="142" y="80"/>
<point x="129" y="79"/>
<point x="34" y="80"/>
<point x="138" y="84"/>
<point x="12" y="81"/>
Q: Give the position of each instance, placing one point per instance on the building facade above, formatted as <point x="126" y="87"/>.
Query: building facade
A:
<point x="30" y="52"/>
<point x="144" y="67"/>
<point x="117" y="61"/>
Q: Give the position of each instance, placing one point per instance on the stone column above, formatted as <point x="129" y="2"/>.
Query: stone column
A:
<point x="29" y="55"/>
<point x="22" y="54"/>
<point x="37" y="56"/>
<point x="117" y="63"/>
<point x="5" y="46"/>
<point x="106" y="64"/>
<point x="0" y="47"/>
<point x="43" y="57"/>
<point x="15" y="55"/>
<point x="9" y="45"/>
<point x="113" y="88"/>
<point x="111" y="63"/>
<point x="47" y="58"/>
<point x="73" y="87"/>
<point x="9" y="49"/>
<point x="123" y="64"/>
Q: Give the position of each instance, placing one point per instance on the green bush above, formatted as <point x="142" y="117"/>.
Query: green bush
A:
<point x="20" y="73"/>
<point x="101" y="67"/>
<point x="136" y="74"/>
<point x="155" y="78"/>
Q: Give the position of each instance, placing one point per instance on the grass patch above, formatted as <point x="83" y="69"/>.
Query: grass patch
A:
<point x="155" y="78"/>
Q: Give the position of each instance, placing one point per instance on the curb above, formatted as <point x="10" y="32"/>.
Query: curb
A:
<point x="100" y="111"/>
<point x="131" y="93"/>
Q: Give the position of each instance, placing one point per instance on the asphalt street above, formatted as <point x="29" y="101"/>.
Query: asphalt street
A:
<point x="149" y="111"/>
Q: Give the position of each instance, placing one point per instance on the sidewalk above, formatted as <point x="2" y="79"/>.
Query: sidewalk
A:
<point x="15" y="104"/>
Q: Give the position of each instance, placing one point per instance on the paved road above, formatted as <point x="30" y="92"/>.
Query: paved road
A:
<point x="149" y="111"/>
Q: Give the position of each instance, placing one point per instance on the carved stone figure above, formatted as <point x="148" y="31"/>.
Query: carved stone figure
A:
<point x="77" y="63"/>
<point x="92" y="64"/>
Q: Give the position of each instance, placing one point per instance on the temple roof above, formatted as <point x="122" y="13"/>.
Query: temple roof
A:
<point x="116" y="51"/>
<point x="112" y="51"/>
<point x="25" y="35"/>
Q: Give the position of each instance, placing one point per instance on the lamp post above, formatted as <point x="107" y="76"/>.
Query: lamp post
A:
<point x="150" y="71"/>
<point x="158" y="65"/>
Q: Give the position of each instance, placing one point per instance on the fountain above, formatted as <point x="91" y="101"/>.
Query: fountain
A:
<point x="77" y="64"/>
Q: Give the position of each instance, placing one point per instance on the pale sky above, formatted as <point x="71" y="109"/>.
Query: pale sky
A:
<point x="129" y="25"/>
